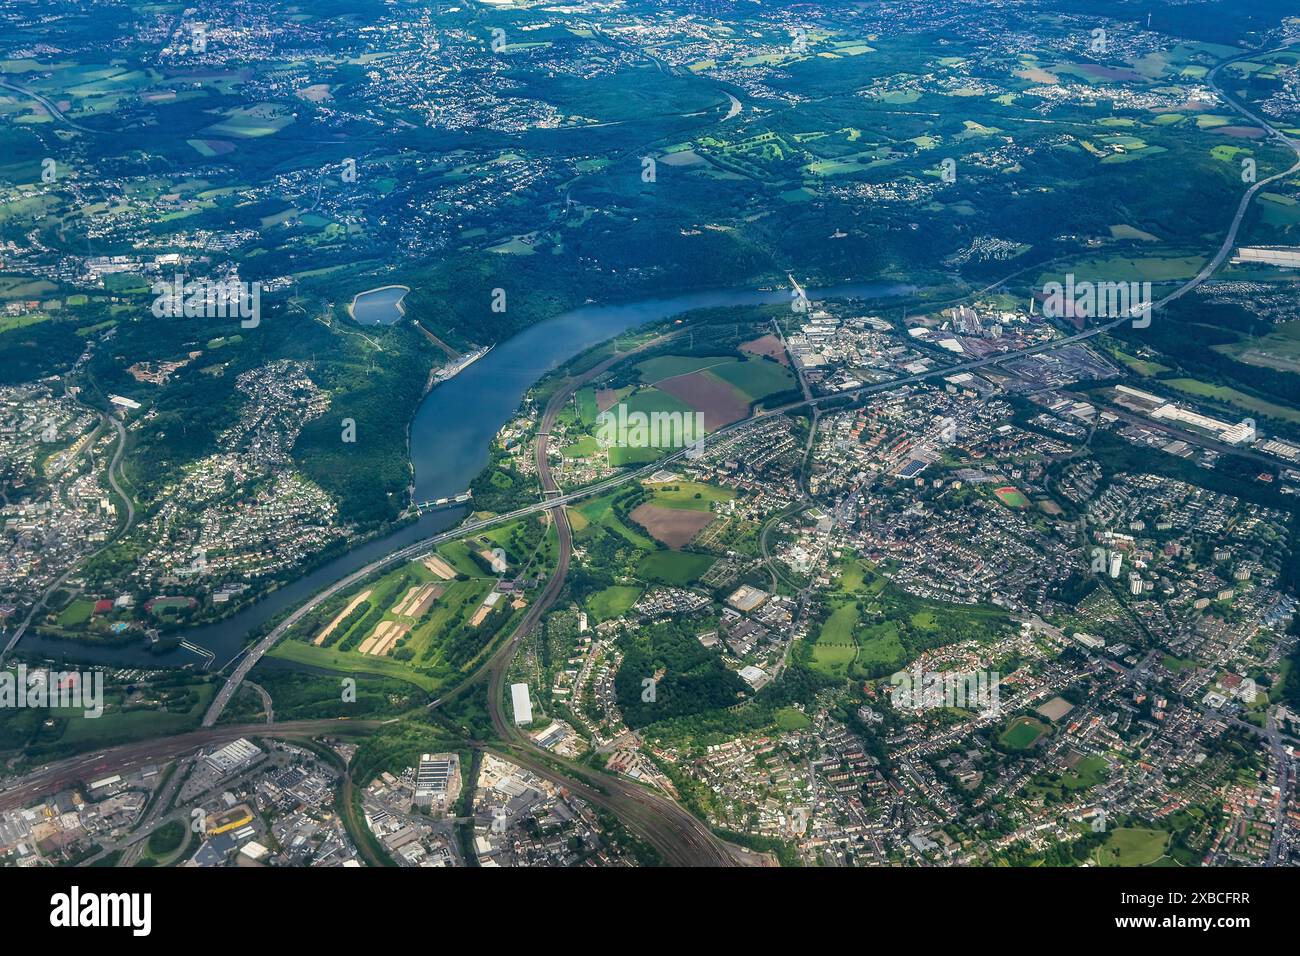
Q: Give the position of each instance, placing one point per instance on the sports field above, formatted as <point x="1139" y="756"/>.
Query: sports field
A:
<point x="1011" y="497"/>
<point x="1022" y="733"/>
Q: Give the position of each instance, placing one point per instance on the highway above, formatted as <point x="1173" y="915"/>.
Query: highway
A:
<point x="1212" y="266"/>
<point x="53" y="110"/>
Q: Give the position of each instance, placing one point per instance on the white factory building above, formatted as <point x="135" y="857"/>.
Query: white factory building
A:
<point x="523" y="705"/>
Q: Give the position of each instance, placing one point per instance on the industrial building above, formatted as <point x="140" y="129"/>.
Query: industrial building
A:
<point x="523" y="705"/>
<point x="1287" y="257"/>
<point x="1242" y="433"/>
<point x="437" y="780"/>
<point x="233" y="756"/>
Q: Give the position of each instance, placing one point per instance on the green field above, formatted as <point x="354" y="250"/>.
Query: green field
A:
<point x="252" y="122"/>
<point x="756" y="379"/>
<point x="76" y="613"/>
<point x="349" y="662"/>
<point x="833" y="660"/>
<point x="674" y="567"/>
<point x="612" y="602"/>
<point x="689" y="495"/>
<point x="584" y="447"/>
<point x="1132" y="846"/>
<point x="166" y="842"/>
<point x="668" y="366"/>
<point x="1130" y="269"/>
<point x="847" y="648"/>
<point x="787" y="718"/>
<point x="438" y="647"/>
<point x="1230" y="396"/>
<point x="1087" y="773"/>
<point x="456" y="553"/>
<point x="648" y="401"/>
<point x="9" y="322"/>
<point x="835" y="648"/>
<point x="838" y="628"/>
<point x="859" y="577"/>
<point x="1022" y="733"/>
<point x="587" y="406"/>
<point x="599" y="513"/>
<point x="1140" y="366"/>
<point x="881" y="645"/>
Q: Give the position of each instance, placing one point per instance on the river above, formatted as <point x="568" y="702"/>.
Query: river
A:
<point x="450" y="438"/>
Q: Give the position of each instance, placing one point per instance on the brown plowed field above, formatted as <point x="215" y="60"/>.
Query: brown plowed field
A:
<point x="768" y="345"/>
<point x="672" y="526"/>
<point x="720" y="403"/>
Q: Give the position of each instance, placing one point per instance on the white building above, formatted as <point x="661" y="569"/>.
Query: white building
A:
<point x="233" y="756"/>
<point x="1288" y="257"/>
<point x="523" y="705"/>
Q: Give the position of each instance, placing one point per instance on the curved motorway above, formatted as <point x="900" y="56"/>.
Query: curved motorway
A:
<point x="49" y="106"/>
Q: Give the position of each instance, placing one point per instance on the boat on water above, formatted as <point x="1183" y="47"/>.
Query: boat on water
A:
<point x="464" y="362"/>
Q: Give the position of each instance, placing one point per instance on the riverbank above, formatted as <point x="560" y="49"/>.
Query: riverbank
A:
<point x="450" y="440"/>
